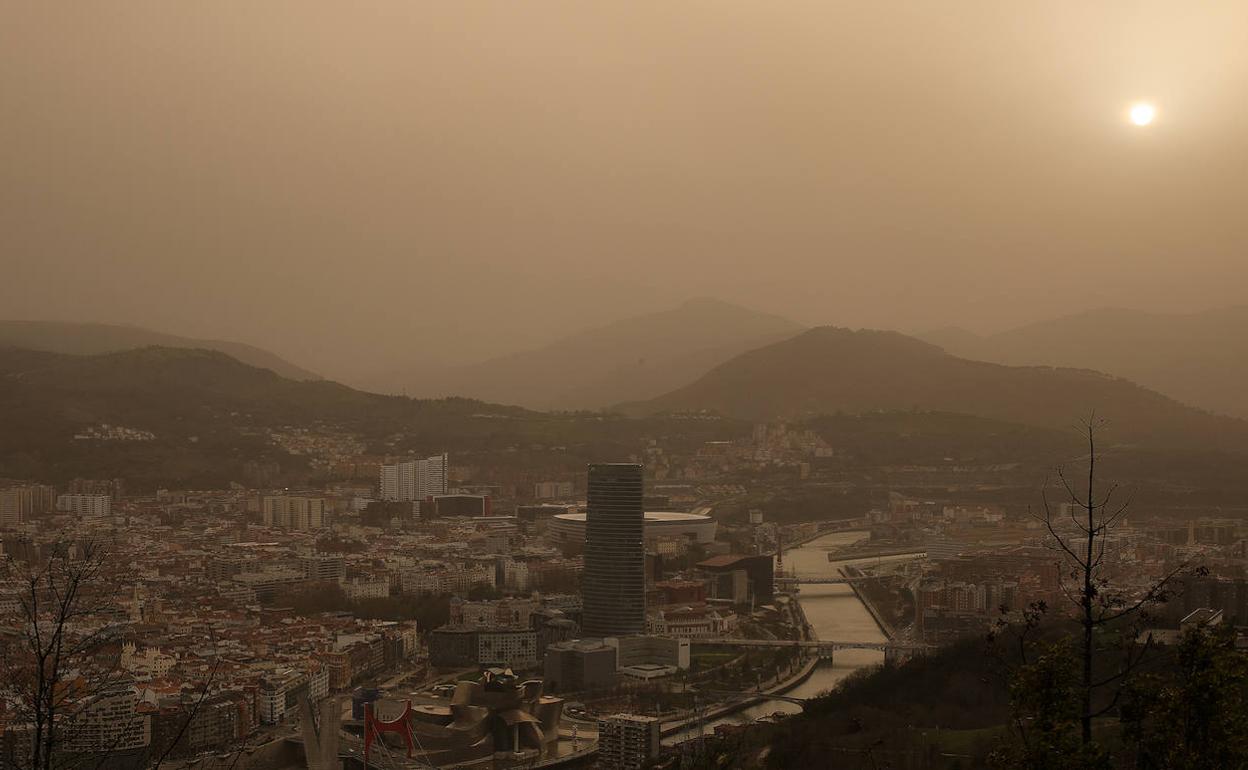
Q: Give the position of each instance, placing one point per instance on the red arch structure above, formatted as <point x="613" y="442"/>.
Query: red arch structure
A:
<point x="374" y="727"/>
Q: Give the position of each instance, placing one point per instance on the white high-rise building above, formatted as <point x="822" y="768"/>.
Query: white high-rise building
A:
<point x="20" y="503"/>
<point x="13" y="507"/>
<point x="388" y="487"/>
<point x="434" y="473"/>
<point x="414" y="480"/>
<point x="86" y="506"/>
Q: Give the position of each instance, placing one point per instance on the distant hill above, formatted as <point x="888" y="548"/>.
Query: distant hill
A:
<point x="1200" y="359"/>
<point x="635" y="358"/>
<point x="213" y="419"/>
<point x="211" y="416"/>
<point x="828" y="370"/>
<point x="92" y="338"/>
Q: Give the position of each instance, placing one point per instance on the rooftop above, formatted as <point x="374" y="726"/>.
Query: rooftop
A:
<point x="651" y="516"/>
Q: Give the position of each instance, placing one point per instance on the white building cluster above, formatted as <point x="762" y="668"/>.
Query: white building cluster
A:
<point x="86" y="506"/>
<point x="414" y="479"/>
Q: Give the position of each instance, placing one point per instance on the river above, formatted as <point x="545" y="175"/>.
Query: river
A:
<point x="834" y="612"/>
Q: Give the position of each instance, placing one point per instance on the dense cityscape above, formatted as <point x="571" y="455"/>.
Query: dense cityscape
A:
<point x="648" y="611"/>
<point x="605" y="385"/>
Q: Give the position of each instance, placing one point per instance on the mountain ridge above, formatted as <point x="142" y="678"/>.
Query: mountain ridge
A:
<point x="636" y="357"/>
<point x="1199" y="358"/>
<point x="830" y="369"/>
<point x="209" y="417"/>
<point x="206" y="420"/>
<point x="83" y="338"/>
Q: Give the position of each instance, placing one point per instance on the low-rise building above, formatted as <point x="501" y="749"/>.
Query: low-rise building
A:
<point x="642" y="650"/>
<point x="740" y="579"/>
<point x="110" y="722"/>
<point x="359" y="588"/>
<point x="694" y="622"/>
<point x="279" y="693"/>
<point x="324" y="567"/>
<point x="265" y="585"/>
<point x="461" y="647"/>
<point x="582" y="664"/>
<point x="146" y="665"/>
<point x="510" y="613"/>
<point x="627" y="741"/>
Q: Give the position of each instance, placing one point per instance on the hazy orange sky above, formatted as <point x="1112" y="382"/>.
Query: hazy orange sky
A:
<point x="359" y="184"/>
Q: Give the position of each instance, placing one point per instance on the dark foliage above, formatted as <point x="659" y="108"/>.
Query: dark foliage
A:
<point x="952" y="689"/>
<point x="211" y="416"/>
<point x="430" y="611"/>
<point x="1192" y="713"/>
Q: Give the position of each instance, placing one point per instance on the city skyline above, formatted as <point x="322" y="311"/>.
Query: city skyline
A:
<point x="619" y="385"/>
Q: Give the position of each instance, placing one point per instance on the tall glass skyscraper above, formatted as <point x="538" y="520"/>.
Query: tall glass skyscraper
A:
<point x="614" y="585"/>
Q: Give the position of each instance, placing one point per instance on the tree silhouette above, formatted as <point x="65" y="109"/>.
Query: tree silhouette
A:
<point x="1193" y="713"/>
<point x="63" y="654"/>
<point x="1106" y="615"/>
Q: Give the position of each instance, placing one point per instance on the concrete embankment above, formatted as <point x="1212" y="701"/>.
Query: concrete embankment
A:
<point x="731" y="708"/>
<point x="781" y="687"/>
<point x="851" y="554"/>
<point x="799" y="619"/>
<point x="832" y="528"/>
<point x="876" y="615"/>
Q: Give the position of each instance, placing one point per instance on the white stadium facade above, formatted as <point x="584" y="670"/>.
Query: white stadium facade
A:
<point x="570" y="527"/>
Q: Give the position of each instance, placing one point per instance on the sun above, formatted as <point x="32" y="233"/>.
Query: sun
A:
<point x="1143" y="113"/>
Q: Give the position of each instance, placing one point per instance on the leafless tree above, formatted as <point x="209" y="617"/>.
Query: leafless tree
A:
<point x="1093" y="512"/>
<point x="63" y="648"/>
<point x="63" y="657"/>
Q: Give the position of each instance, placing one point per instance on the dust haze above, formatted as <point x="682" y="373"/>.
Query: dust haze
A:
<point x="369" y="186"/>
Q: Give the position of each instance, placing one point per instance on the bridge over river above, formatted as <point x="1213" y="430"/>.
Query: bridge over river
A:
<point x="790" y="581"/>
<point x="824" y="648"/>
<point x="748" y="694"/>
<point x="822" y="580"/>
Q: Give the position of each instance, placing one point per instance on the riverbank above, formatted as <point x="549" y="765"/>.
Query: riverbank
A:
<point x="828" y="612"/>
<point x="885" y="627"/>
<point x="725" y="709"/>
<point x="856" y="554"/>
<point x="806" y="632"/>
<point x="798" y="614"/>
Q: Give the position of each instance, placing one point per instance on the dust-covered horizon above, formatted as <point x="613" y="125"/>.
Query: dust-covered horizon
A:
<point x="366" y="186"/>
